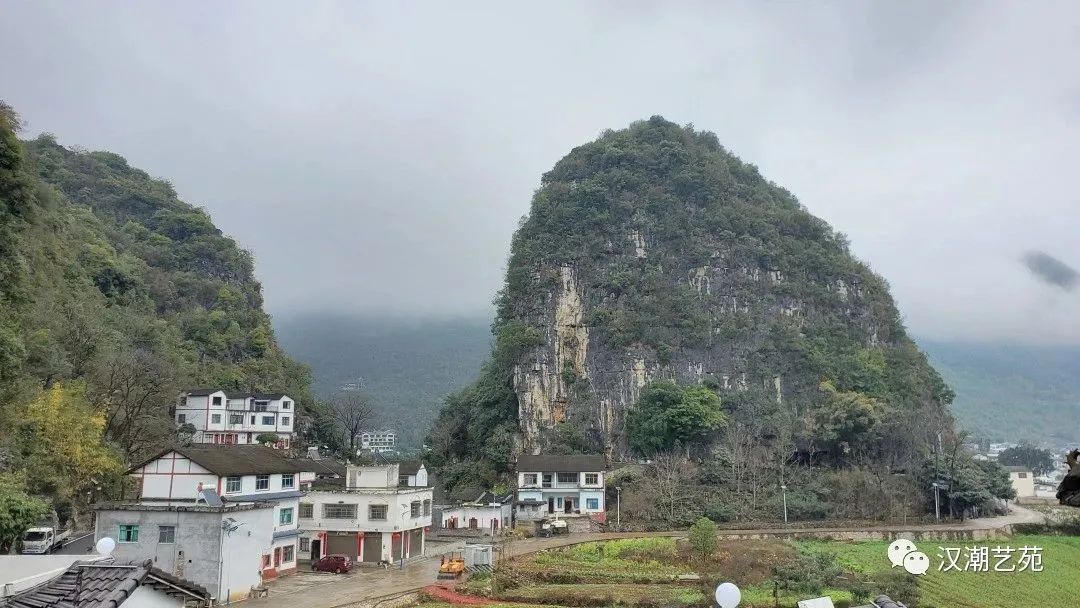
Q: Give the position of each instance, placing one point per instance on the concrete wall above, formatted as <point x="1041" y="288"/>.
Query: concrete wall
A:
<point x="1025" y="485"/>
<point x="483" y="515"/>
<point x="148" y="597"/>
<point x="397" y="517"/>
<point x="197" y="551"/>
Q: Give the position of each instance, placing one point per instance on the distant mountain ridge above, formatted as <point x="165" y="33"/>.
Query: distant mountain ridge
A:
<point x="407" y="365"/>
<point x="1003" y="391"/>
<point x="1012" y="391"/>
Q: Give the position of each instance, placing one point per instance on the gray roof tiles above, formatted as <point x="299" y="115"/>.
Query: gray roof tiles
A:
<point x="227" y="460"/>
<point x="97" y="585"/>
<point x="558" y="463"/>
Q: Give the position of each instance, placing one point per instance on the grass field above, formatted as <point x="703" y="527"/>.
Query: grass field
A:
<point x="641" y="573"/>
<point x="1057" y="585"/>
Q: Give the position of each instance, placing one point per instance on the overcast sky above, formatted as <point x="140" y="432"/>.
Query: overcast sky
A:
<point x="377" y="156"/>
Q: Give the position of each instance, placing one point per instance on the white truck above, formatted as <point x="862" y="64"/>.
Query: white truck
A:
<point x="43" y="540"/>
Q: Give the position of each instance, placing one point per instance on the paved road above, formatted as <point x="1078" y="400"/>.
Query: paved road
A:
<point x="81" y="543"/>
<point x="319" y="590"/>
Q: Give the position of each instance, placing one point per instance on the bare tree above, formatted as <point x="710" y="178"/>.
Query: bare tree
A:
<point x="671" y="476"/>
<point x="351" y="412"/>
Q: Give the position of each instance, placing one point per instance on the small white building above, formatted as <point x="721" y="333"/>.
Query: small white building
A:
<point x="237" y="418"/>
<point x="238" y="474"/>
<point x="107" y="583"/>
<point x="487" y="512"/>
<point x="1023" y="481"/>
<point x="375" y="513"/>
<point x="378" y="442"/>
<point x="570" y="485"/>
<point x="214" y="547"/>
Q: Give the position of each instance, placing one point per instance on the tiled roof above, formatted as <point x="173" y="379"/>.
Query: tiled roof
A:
<point x="235" y="459"/>
<point x="409" y="467"/>
<point x="1013" y="469"/>
<point x="323" y="466"/>
<point x="558" y="463"/>
<point x="97" y="585"/>
<point x="202" y="392"/>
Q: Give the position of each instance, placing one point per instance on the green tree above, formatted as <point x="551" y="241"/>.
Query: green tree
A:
<point x="18" y="510"/>
<point x="847" y="420"/>
<point x="667" y="415"/>
<point x="703" y="537"/>
<point x="266" y="438"/>
<point x="1040" y="461"/>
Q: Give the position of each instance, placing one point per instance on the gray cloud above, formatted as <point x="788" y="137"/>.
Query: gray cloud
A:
<point x="377" y="156"/>
<point x="1051" y="270"/>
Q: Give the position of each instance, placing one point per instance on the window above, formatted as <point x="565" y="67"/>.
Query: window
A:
<point x="376" y="512"/>
<point x="592" y="503"/>
<point x="181" y="418"/>
<point x="288" y="480"/>
<point x="568" y="477"/>
<point x="253" y="420"/>
<point x="236" y="419"/>
<point x="129" y="534"/>
<point x="592" y="479"/>
<point x="260" y="406"/>
<point x="403" y="480"/>
<point x="414" y="509"/>
<point x="285" y="421"/>
<point x="530" y="479"/>
<point x="427" y="507"/>
<point x="166" y="534"/>
<point x="262" y="482"/>
<point x="1023" y="475"/>
<point x="286" y="405"/>
<point x="547" y="480"/>
<point x="285" y="516"/>
<point x="307" y="510"/>
<point x="215" y="418"/>
<point x="268" y="420"/>
<point x="266" y="561"/>
<point x="287" y="554"/>
<point x="305" y="544"/>
<point x="339" y="511"/>
<point x="232" y="484"/>
<point x="217" y="400"/>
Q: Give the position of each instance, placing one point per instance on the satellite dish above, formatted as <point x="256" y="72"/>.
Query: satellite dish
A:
<point x="105" y="546"/>
<point x="728" y="595"/>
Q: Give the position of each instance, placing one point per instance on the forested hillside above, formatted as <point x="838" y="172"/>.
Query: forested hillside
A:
<point x="1012" y="391"/>
<point x="407" y="366"/>
<point x="114" y="295"/>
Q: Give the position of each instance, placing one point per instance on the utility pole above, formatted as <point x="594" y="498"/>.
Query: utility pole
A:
<point x="618" y="508"/>
<point x="783" y="491"/>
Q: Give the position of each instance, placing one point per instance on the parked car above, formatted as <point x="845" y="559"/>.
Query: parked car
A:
<point x="332" y="563"/>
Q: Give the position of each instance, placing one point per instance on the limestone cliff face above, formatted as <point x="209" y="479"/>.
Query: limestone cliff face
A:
<point x="653" y="254"/>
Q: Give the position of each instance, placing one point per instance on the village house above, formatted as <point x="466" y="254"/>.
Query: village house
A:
<point x="375" y="513"/>
<point x="567" y="485"/>
<point x="1023" y="481"/>
<point x="215" y="547"/>
<point x="237" y="418"/>
<point x="102" y="584"/>
<point x="487" y="512"/>
<point x="234" y="474"/>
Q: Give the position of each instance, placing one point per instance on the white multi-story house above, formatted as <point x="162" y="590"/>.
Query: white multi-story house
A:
<point x="378" y="441"/>
<point x="372" y="514"/>
<point x="571" y="485"/>
<point x="238" y="474"/>
<point x="237" y="418"/>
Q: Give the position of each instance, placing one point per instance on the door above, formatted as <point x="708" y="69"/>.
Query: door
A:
<point x="568" y="505"/>
<point x="396" y="547"/>
<point x="341" y="544"/>
<point x="316" y="549"/>
<point x="277" y="556"/>
<point x="551" y="504"/>
<point x="416" y="541"/>
<point x="373" y="547"/>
